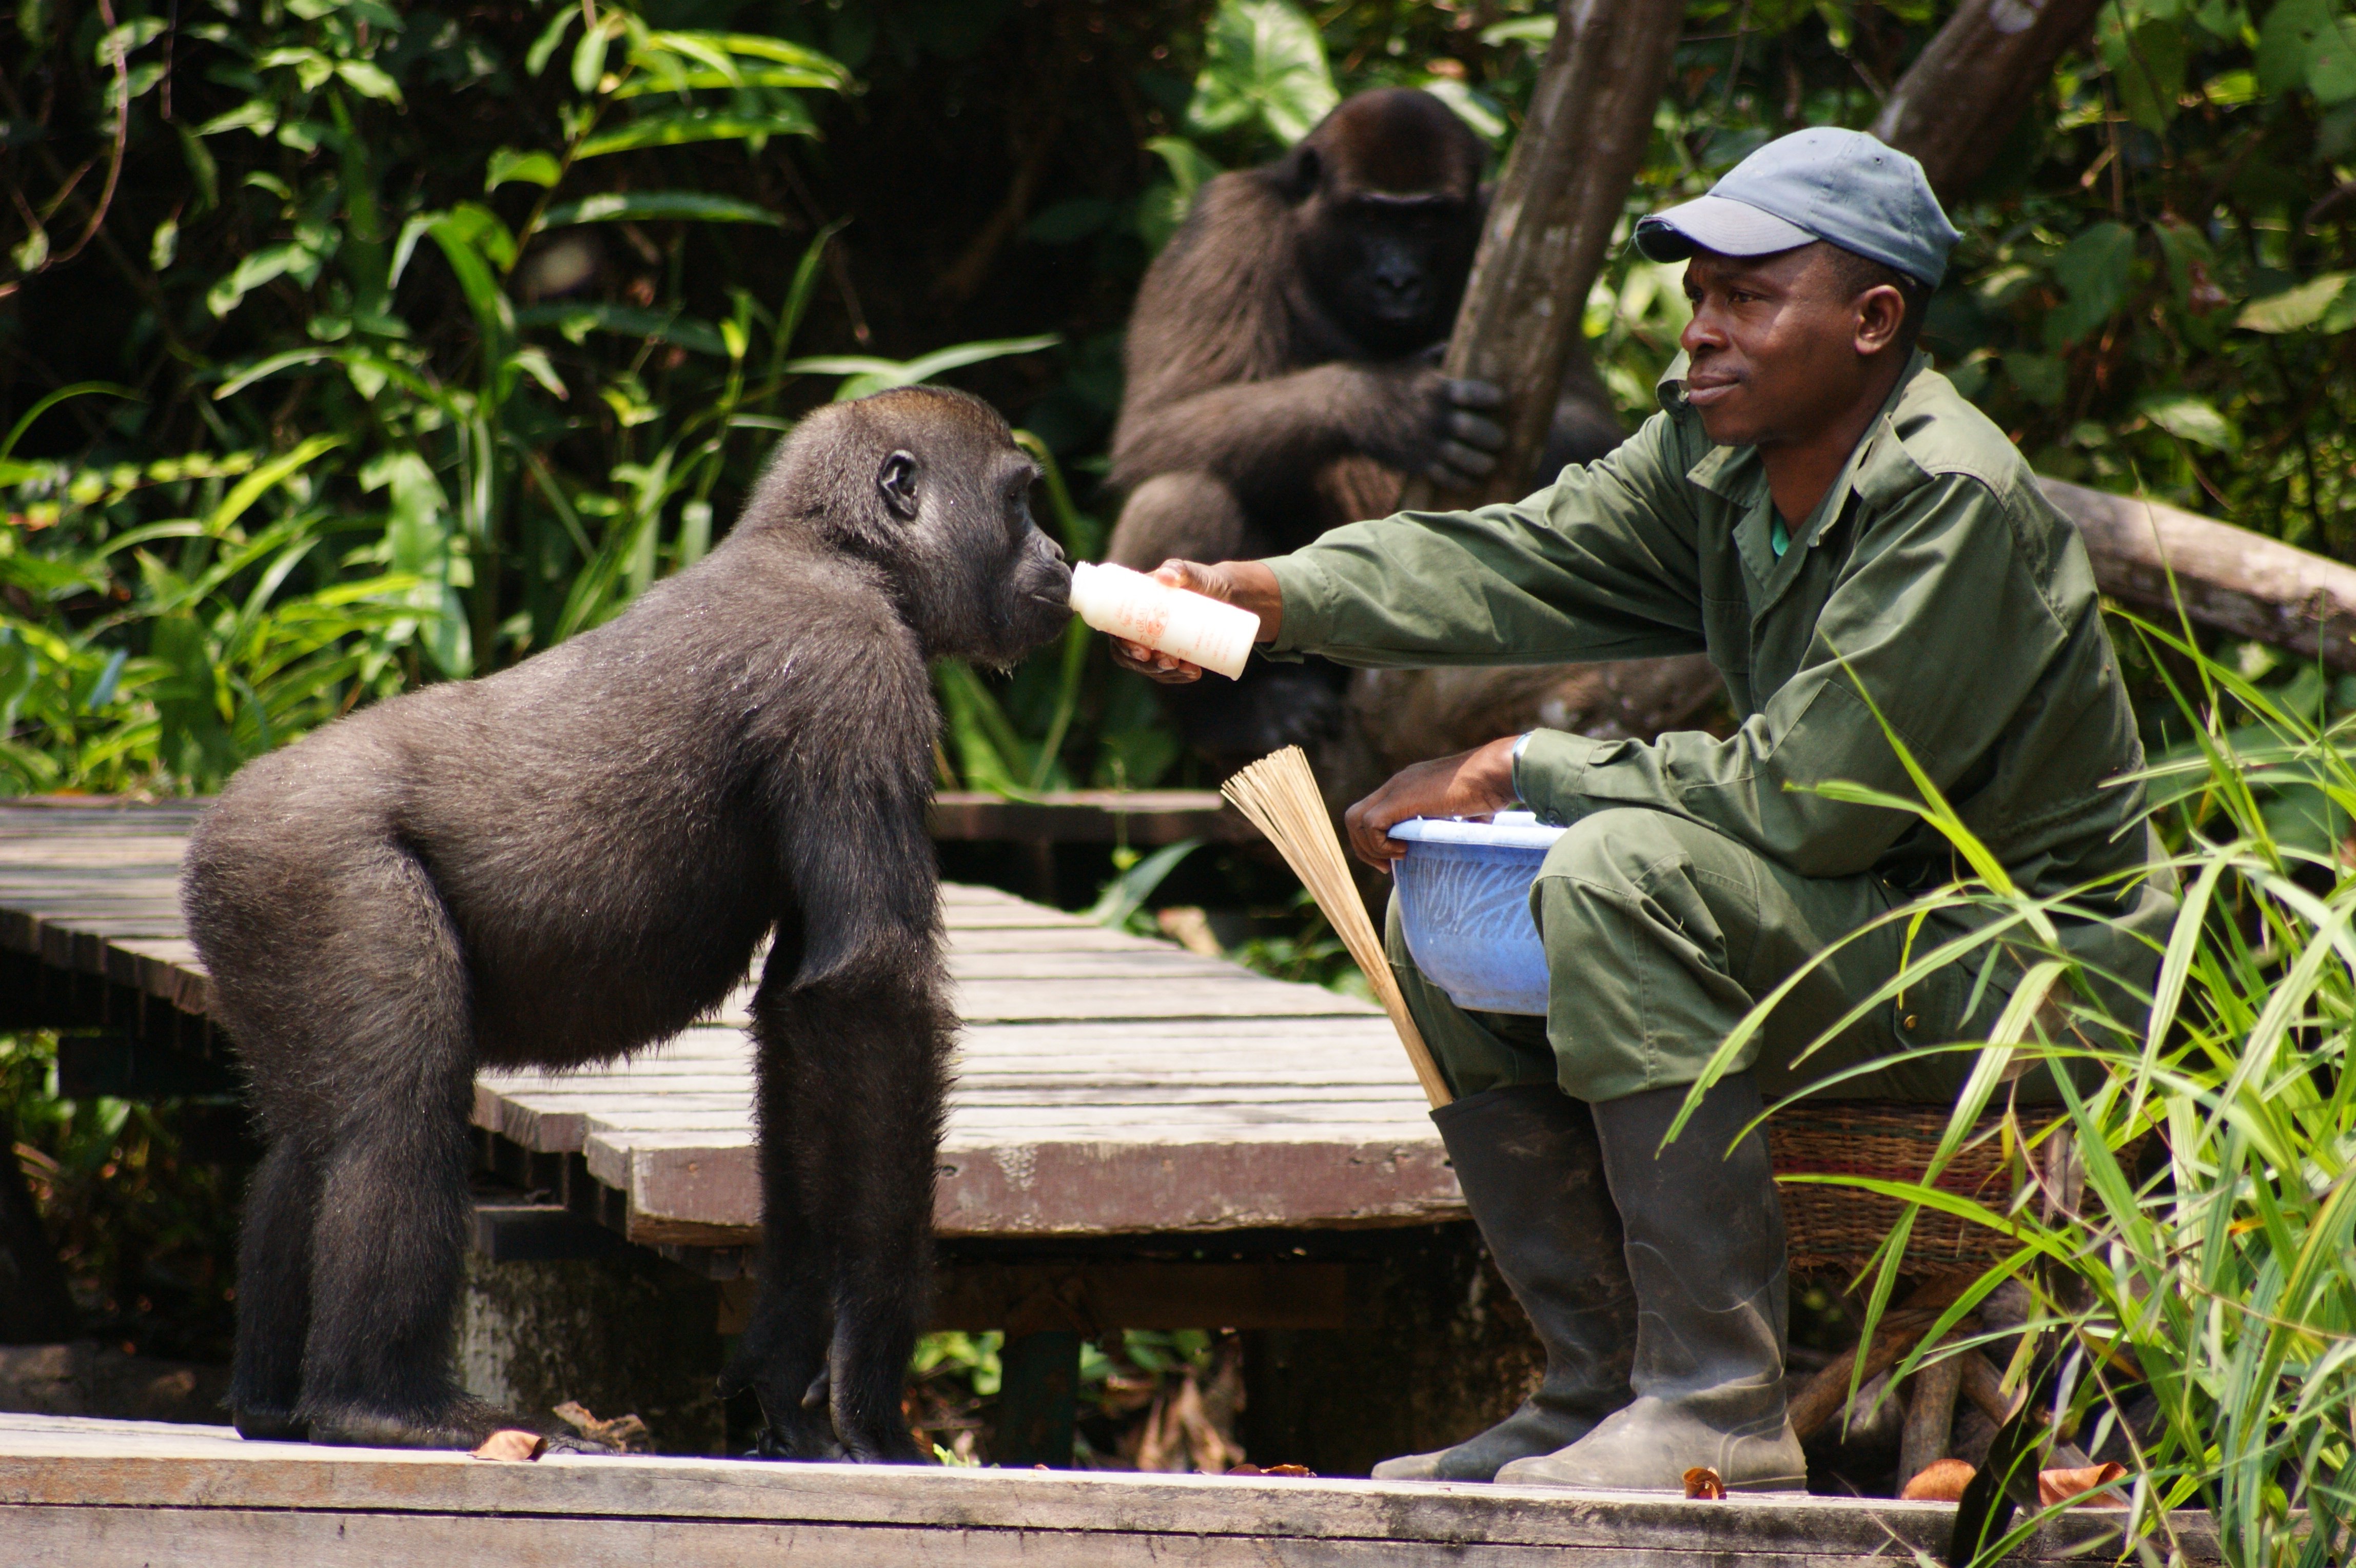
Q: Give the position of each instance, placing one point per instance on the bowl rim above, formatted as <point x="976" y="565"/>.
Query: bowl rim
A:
<point x="1507" y="830"/>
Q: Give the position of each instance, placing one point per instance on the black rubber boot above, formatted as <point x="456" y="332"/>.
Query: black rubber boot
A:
<point x="1706" y="1249"/>
<point x="1532" y="1172"/>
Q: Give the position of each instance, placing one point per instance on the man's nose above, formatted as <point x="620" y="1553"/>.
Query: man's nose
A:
<point x="1702" y="331"/>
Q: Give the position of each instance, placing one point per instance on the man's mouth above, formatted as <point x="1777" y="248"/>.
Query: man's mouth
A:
<point x="1705" y="388"/>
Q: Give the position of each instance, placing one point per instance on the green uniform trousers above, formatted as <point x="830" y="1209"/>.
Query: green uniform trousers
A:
<point x="1661" y="934"/>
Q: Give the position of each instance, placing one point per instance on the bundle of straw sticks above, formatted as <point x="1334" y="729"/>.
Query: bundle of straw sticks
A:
<point x="1278" y="794"/>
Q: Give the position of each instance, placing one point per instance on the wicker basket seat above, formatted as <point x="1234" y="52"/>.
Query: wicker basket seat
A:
<point x="1835" y="1228"/>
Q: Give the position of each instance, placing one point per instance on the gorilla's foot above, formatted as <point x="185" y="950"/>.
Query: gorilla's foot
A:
<point x="461" y="1424"/>
<point x="260" y="1424"/>
<point x="892" y="1447"/>
<point x="808" y="1439"/>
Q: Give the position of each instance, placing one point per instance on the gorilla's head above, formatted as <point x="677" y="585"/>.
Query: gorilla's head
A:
<point x="927" y="483"/>
<point x="1386" y="211"/>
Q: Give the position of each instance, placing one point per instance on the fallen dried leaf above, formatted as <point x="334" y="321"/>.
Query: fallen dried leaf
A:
<point x="512" y="1444"/>
<point x="1298" y="1472"/>
<point x="1940" y="1481"/>
<point x="626" y="1433"/>
<point x="1703" y="1482"/>
<point x="2065" y="1485"/>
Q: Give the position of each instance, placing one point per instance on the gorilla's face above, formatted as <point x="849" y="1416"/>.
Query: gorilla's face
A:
<point x="1391" y="266"/>
<point x="978" y="579"/>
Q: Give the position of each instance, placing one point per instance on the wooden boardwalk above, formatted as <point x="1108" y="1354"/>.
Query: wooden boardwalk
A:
<point x="1108" y="1083"/>
<point x="93" y="1493"/>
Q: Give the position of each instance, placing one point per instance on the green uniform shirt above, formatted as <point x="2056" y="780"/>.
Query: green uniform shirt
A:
<point x="1934" y="566"/>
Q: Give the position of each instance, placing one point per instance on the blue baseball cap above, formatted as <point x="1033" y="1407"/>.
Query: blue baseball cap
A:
<point x="1823" y="183"/>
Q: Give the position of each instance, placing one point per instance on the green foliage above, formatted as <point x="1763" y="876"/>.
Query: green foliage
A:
<point x="1262" y="63"/>
<point x="141" y="1201"/>
<point x="2201" y="1298"/>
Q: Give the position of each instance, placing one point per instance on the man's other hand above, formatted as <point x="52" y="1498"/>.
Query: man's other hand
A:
<point x="1245" y="583"/>
<point x="1474" y="783"/>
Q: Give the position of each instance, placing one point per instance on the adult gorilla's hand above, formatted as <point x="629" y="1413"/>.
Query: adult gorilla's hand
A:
<point x="1247" y="585"/>
<point x="1470" y="440"/>
<point x="1434" y="424"/>
<point x="1470" y="784"/>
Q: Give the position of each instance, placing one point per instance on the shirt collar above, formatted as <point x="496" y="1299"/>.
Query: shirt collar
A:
<point x="1879" y="469"/>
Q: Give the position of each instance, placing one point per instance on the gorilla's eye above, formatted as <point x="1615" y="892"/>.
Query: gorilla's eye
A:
<point x="896" y="482"/>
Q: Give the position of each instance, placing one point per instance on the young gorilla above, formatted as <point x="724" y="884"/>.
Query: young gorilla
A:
<point x="577" y="857"/>
<point x="1277" y="379"/>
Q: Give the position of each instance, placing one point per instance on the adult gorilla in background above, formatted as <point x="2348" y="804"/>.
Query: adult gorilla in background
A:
<point x="577" y="857"/>
<point x="1278" y="378"/>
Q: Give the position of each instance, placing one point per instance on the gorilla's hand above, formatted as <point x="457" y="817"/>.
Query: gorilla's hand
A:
<point x="1247" y="585"/>
<point x="1470" y="784"/>
<point x="1437" y="426"/>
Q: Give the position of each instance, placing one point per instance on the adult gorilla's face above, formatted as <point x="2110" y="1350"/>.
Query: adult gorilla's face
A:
<point x="1391" y="266"/>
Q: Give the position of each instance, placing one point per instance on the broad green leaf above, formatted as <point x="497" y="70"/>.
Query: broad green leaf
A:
<point x="294" y="260"/>
<point x="2286" y="44"/>
<point x="865" y="374"/>
<point x="697" y="126"/>
<point x="254" y="114"/>
<point x="777" y="52"/>
<point x="2095" y="270"/>
<point x="575" y="322"/>
<point x="1487" y="121"/>
<point x="2294" y="310"/>
<point x="651" y="206"/>
<point x="2041" y="378"/>
<point x="2331" y="62"/>
<point x="1262" y="59"/>
<point x="254" y="486"/>
<point x="263" y="368"/>
<point x="533" y="169"/>
<point x="1526" y="30"/>
<point x="2189" y="418"/>
<point x="2147" y="63"/>
<point x="368" y="81"/>
<point x="535" y="59"/>
<point x="589" y="54"/>
<point x="773" y="79"/>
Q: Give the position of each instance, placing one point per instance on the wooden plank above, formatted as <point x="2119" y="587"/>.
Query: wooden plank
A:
<point x="95" y="1494"/>
<point x="1142" y="817"/>
<point x="1085" y="1180"/>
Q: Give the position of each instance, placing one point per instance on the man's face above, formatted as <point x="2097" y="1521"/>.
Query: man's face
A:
<point x="1779" y="349"/>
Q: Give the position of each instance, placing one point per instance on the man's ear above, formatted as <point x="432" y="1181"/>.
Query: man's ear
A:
<point x="1881" y="312"/>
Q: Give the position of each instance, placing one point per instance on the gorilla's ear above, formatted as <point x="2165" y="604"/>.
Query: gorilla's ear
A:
<point x="1298" y="172"/>
<point x="896" y="481"/>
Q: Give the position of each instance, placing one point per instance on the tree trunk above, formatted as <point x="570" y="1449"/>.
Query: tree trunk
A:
<point x="1956" y="103"/>
<point x="1565" y="183"/>
<point x="1564" y="187"/>
<point x="2229" y="579"/>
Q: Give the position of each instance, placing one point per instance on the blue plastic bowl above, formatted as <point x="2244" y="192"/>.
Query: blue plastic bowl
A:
<point x="1464" y="906"/>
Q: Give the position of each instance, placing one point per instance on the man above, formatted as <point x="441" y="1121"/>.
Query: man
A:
<point x="1821" y="512"/>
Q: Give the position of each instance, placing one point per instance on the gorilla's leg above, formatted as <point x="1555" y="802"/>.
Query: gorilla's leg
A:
<point x="1179" y="516"/>
<point x="851" y="1201"/>
<point x="782" y="1356"/>
<point x="273" y="1294"/>
<point x="884" y="1259"/>
<point x="395" y="1065"/>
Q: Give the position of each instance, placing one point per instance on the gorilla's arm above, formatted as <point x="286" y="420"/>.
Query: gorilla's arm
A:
<point x="1222" y="318"/>
<point x="1262" y="437"/>
<point x="848" y="794"/>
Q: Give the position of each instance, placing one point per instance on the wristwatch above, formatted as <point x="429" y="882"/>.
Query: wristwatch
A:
<point x="1520" y="746"/>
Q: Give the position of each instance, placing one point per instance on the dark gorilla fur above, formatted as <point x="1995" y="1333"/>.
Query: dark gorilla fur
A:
<point x="1277" y="379"/>
<point x="577" y="857"/>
